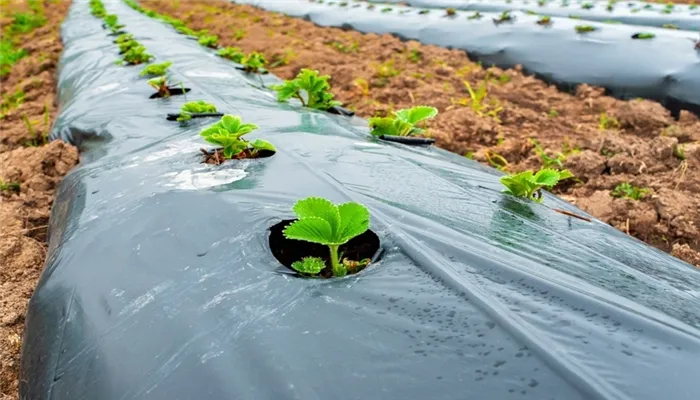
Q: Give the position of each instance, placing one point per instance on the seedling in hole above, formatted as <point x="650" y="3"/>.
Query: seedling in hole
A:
<point x="541" y="3"/>
<point x="228" y="133"/>
<point x="112" y="22"/>
<point x="385" y="9"/>
<point x="403" y="123"/>
<point x="669" y="26"/>
<point x="606" y="122"/>
<point x="195" y="107"/>
<point x="626" y="190"/>
<point x="584" y="28"/>
<point x="451" y="12"/>
<point x="123" y="38"/>
<point x="545" y="20"/>
<point x="504" y="17"/>
<point x="234" y="54"/>
<point x="9" y="186"/>
<point x="587" y="6"/>
<point x="254" y="62"/>
<point x="156" y="69"/>
<point x="529" y="185"/>
<point x="309" y="266"/>
<point x="422" y="12"/>
<point x="97" y="8"/>
<point x="209" y="41"/>
<point x="135" y="55"/>
<point x="161" y="85"/>
<point x="476" y="15"/>
<point x="126" y="46"/>
<point x="320" y="221"/>
<point x="643" y="36"/>
<point x="315" y="87"/>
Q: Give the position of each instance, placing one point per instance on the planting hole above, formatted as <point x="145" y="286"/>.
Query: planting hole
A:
<point x="216" y="157"/>
<point x="287" y="251"/>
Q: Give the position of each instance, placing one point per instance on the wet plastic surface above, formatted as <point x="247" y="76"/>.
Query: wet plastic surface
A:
<point x="626" y="12"/>
<point x="159" y="283"/>
<point x="608" y="57"/>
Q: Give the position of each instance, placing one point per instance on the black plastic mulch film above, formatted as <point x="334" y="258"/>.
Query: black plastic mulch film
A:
<point x="665" y="68"/>
<point x="159" y="283"/>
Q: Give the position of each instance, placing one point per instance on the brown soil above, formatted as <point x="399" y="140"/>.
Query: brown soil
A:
<point x="38" y="170"/>
<point x="373" y="75"/>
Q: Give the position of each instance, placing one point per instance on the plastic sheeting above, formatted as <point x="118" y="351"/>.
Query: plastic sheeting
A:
<point x="609" y="57"/>
<point x="628" y="12"/>
<point x="159" y="283"/>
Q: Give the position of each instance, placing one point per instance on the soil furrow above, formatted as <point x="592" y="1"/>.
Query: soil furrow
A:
<point x="31" y="168"/>
<point x="604" y="141"/>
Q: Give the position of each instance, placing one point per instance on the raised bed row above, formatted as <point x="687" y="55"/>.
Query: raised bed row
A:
<point x="566" y="52"/>
<point x="662" y="15"/>
<point x="162" y="282"/>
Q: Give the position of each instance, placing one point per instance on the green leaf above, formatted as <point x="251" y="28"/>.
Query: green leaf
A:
<point x="260" y="144"/>
<point x="231" y="123"/>
<point x="565" y="174"/>
<point x="546" y="177"/>
<point x="286" y="91"/>
<point x="309" y="265"/>
<point x="417" y="114"/>
<point x="319" y="208"/>
<point x="381" y="126"/>
<point x="354" y="221"/>
<point x="310" y="229"/>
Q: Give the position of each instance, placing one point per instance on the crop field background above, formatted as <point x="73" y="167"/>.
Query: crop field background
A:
<point x="636" y="165"/>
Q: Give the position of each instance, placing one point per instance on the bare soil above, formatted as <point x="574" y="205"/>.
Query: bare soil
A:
<point x="610" y="141"/>
<point x="37" y="168"/>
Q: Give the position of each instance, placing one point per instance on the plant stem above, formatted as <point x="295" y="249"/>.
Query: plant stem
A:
<point x="338" y="270"/>
<point x="298" y="96"/>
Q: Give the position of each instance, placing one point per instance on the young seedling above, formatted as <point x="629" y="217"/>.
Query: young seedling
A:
<point x="450" y="12"/>
<point x="476" y="15"/>
<point x="123" y="38"/>
<point x="9" y="187"/>
<point x="643" y="36"/>
<point x="156" y="69"/>
<point x="607" y="123"/>
<point x="254" y="63"/>
<point x="529" y="185"/>
<point x="97" y="8"/>
<point x="234" y="54"/>
<point x="504" y="17"/>
<point x="320" y="221"/>
<point x="239" y="34"/>
<point x="40" y="137"/>
<point x="134" y="56"/>
<point x="541" y="3"/>
<point x="210" y="41"/>
<point x="403" y="123"/>
<point x="626" y="190"/>
<point x="309" y="266"/>
<point x="670" y="26"/>
<point x="161" y="85"/>
<point x="112" y="22"/>
<point x="545" y="20"/>
<point x="228" y="133"/>
<point x="126" y="46"/>
<point x="587" y="6"/>
<point x="315" y="87"/>
<point x="343" y="48"/>
<point x="415" y="56"/>
<point x="421" y="12"/>
<point x="476" y="101"/>
<point x="585" y="28"/>
<point x="195" y="107"/>
<point x="386" y="9"/>
<point x="558" y="159"/>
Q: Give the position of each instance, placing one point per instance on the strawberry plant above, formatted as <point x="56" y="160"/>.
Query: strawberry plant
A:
<point x="504" y="17"/>
<point x="643" y="36"/>
<point x="112" y="22"/>
<point x="126" y="46"/>
<point x="626" y="190"/>
<point x="195" y="107"/>
<point x="254" y="62"/>
<point x="403" y="123"/>
<point x="156" y="69"/>
<point x="315" y="87"/>
<point x="135" y="55"/>
<point x="545" y="20"/>
<point x="161" y="85"/>
<point x="320" y="221"/>
<point x="587" y="6"/>
<point x="529" y="185"/>
<point x="234" y="54"/>
<point x="123" y="38"/>
<point x="209" y="41"/>
<point x="585" y="28"/>
<point x="97" y="8"/>
<point x="228" y="133"/>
